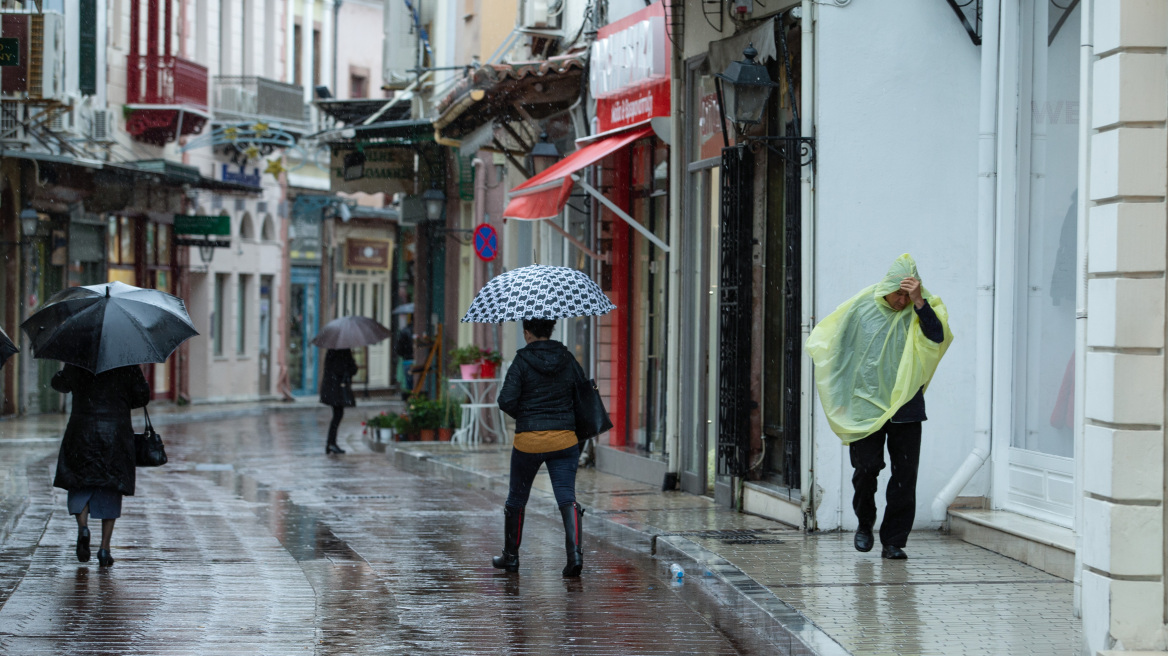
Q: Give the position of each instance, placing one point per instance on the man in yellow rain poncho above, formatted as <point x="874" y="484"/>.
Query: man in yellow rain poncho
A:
<point x="873" y="361"/>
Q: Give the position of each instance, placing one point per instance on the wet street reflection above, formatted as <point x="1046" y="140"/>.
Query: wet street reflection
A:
<point x="253" y="541"/>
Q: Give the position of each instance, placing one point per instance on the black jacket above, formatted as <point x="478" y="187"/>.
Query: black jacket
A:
<point x="539" y="391"/>
<point x="98" y="448"/>
<point x="931" y="326"/>
<point x="336" y="386"/>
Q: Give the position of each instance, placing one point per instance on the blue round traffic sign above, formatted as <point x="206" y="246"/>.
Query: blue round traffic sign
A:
<point x="486" y="242"/>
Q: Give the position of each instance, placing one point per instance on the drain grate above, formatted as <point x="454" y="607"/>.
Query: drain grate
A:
<point x="359" y="497"/>
<point x="752" y="541"/>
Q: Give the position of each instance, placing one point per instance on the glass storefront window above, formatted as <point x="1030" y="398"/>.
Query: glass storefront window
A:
<point x="1048" y="194"/>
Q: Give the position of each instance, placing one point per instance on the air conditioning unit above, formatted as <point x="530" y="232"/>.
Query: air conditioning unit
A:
<point x="41" y="72"/>
<point x="62" y="121"/>
<point x="99" y="125"/>
<point x="542" y="14"/>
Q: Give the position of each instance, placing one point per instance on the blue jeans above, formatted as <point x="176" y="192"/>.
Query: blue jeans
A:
<point x="561" y="466"/>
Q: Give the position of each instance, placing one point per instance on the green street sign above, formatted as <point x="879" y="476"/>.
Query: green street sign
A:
<point x="10" y="52"/>
<point x="201" y="225"/>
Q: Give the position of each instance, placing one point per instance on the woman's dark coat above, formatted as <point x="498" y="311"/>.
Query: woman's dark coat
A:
<point x="98" y="448"/>
<point x="336" y="387"/>
<point x="539" y="391"/>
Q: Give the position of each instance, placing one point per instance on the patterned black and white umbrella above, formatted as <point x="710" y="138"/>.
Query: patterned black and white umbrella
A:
<point x="538" y="292"/>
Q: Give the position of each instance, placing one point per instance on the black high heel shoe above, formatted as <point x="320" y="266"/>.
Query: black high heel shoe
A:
<point x="332" y="448"/>
<point x="104" y="558"/>
<point x="83" y="544"/>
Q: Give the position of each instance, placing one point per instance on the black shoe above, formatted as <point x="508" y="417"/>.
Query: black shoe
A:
<point x="573" y="537"/>
<point x="893" y="553"/>
<point x="333" y="448"/>
<point x="863" y="539"/>
<point x="104" y="558"/>
<point x="512" y="536"/>
<point x="83" y="544"/>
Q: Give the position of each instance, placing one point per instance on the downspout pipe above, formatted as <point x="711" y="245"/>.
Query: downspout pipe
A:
<point x="675" y="255"/>
<point x="1086" y="83"/>
<point x="987" y="181"/>
<point x="807" y="470"/>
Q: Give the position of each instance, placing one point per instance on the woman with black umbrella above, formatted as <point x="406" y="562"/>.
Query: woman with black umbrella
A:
<point x="336" y="390"/>
<point x="96" y="463"/>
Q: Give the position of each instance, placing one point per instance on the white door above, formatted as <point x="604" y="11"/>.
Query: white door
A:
<point x="1040" y="466"/>
<point x="367" y="295"/>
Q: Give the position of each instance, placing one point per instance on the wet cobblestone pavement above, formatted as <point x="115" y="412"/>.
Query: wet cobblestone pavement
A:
<point x="252" y="541"/>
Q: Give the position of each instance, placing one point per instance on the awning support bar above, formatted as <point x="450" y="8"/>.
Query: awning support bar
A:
<point x="621" y="213"/>
<point x="577" y="243"/>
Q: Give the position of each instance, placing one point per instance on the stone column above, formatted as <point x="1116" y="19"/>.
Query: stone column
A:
<point x="1123" y="598"/>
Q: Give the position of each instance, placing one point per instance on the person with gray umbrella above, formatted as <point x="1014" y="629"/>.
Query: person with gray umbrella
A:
<point x="340" y="336"/>
<point x="102" y="333"/>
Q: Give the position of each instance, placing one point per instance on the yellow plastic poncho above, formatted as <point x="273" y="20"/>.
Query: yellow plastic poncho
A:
<point x="870" y="359"/>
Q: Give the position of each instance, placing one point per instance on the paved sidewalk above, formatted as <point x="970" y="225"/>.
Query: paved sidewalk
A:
<point x="813" y="593"/>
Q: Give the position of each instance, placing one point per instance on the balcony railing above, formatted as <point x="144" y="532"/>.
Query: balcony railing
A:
<point x="252" y="98"/>
<point x="166" y="80"/>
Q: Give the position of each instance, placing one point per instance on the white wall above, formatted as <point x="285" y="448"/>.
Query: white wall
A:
<point x="896" y="171"/>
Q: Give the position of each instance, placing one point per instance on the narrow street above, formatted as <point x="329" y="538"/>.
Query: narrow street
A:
<point x="252" y="541"/>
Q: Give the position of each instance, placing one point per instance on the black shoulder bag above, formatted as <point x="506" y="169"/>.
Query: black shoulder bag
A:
<point x="591" y="416"/>
<point x="148" y="450"/>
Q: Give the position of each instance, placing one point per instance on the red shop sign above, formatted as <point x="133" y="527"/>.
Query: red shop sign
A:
<point x="630" y="66"/>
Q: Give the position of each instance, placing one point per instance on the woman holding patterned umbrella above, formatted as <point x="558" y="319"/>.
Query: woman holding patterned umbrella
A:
<point x="539" y="392"/>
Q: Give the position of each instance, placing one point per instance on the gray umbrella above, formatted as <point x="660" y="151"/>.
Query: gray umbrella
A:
<point x="106" y="326"/>
<point x="351" y="332"/>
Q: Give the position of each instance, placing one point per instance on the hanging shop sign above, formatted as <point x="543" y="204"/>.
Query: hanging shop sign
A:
<point x="367" y="254"/>
<point x="629" y="70"/>
<point x="240" y="175"/>
<point x="9" y="52"/>
<point x="198" y="224"/>
<point x="388" y="169"/>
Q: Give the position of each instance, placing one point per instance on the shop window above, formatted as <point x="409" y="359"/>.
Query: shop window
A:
<point x="218" y="304"/>
<point x="120" y="255"/>
<point x="241" y="296"/>
<point x="246" y="227"/>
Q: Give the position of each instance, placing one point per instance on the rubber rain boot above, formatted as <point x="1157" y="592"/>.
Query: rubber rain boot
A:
<point x="573" y="538"/>
<point x="512" y="536"/>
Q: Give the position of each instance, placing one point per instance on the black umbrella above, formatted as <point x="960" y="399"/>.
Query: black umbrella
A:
<point x="351" y="332"/>
<point x="7" y="348"/>
<point x="106" y="326"/>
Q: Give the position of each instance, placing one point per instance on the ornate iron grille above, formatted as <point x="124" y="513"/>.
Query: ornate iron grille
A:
<point x="734" y="311"/>
<point x="792" y="309"/>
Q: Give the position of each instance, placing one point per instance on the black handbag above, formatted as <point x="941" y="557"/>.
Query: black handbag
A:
<point x="591" y="417"/>
<point x="148" y="449"/>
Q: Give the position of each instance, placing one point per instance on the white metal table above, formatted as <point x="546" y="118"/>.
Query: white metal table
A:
<point x="481" y="394"/>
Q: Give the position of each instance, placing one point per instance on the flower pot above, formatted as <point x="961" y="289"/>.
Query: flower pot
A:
<point x="384" y="434"/>
<point x="487" y="369"/>
<point x="444" y="434"/>
<point x="428" y="434"/>
<point x="469" y="371"/>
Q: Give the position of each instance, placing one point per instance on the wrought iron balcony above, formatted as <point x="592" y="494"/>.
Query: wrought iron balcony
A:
<point x="251" y="98"/>
<point x="166" y="97"/>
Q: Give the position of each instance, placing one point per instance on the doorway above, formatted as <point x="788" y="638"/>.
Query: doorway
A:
<point x="303" y="319"/>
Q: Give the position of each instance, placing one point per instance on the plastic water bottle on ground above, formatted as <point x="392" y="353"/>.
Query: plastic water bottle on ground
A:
<point x="677" y="574"/>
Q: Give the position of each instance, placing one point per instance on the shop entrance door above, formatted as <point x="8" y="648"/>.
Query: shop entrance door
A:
<point x="367" y="296"/>
<point x="265" y="344"/>
<point x="303" y="314"/>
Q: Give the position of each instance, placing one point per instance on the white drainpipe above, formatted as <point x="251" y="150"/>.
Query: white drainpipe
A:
<point x="986" y="200"/>
<point x="807" y="273"/>
<point x="1086" y="55"/>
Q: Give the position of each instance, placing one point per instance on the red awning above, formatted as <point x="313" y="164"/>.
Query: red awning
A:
<point x="545" y="194"/>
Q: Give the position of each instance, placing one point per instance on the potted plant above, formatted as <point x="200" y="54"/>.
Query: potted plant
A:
<point x="382" y="426"/>
<point x="400" y="426"/>
<point x="451" y="417"/>
<point x="489" y="366"/>
<point x="425" y="417"/>
<point x="467" y="358"/>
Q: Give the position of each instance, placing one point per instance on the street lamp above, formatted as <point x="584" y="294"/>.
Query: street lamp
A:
<point x="743" y="90"/>
<point x="543" y="154"/>
<point x="435" y="202"/>
<point x="29" y="221"/>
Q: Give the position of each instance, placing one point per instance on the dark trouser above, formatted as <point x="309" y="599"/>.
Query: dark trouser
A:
<point x="338" y="414"/>
<point x="904" y="450"/>
<point x="561" y="466"/>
